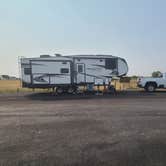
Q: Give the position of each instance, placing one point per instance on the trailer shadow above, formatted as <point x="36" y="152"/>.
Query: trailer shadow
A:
<point x="118" y="94"/>
<point x="52" y="97"/>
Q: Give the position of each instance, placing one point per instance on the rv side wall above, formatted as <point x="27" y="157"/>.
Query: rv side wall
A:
<point x="25" y="72"/>
<point x="93" y="71"/>
<point x="51" y="72"/>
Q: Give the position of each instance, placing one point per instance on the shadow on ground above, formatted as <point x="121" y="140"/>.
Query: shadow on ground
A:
<point x="119" y="94"/>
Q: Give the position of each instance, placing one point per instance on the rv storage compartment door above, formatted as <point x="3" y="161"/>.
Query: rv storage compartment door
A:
<point x="80" y="73"/>
<point x="51" y="72"/>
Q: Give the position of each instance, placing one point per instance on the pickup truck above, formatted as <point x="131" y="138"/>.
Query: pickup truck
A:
<point x="150" y="84"/>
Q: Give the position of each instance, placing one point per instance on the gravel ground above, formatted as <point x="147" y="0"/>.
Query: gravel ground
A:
<point x="127" y="129"/>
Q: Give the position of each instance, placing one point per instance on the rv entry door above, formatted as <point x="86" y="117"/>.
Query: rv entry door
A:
<point x="80" y="73"/>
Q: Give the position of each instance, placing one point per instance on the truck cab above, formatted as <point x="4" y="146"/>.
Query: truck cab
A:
<point x="150" y="84"/>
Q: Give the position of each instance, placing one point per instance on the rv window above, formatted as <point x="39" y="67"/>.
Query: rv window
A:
<point x="27" y="71"/>
<point x="64" y="70"/>
<point x="80" y="68"/>
<point x="111" y="63"/>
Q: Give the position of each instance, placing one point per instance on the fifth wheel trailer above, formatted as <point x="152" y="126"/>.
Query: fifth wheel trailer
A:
<point x="69" y="72"/>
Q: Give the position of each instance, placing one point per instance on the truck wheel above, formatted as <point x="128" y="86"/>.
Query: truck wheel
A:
<point x="59" y="90"/>
<point x="150" y="88"/>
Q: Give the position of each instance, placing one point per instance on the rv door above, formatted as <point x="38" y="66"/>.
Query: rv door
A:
<point x="80" y="67"/>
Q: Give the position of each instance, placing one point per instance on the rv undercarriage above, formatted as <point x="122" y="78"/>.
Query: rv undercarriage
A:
<point x="75" y="89"/>
<point x="84" y="89"/>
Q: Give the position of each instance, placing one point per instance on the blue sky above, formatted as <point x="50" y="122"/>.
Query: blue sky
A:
<point x="135" y="30"/>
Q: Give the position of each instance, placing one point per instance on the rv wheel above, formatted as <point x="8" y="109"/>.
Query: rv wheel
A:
<point x="112" y="89"/>
<point x="59" y="90"/>
<point x="71" y="90"/>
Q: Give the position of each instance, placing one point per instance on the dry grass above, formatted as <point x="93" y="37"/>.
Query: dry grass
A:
<point x="9" y="85"/>
<point x="15" y="86"/>
<point x="6" y="84"/>
<point x="123" y="86"/>
<point x="12" y="86"/>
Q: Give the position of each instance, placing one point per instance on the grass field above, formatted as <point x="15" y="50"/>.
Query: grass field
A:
<point x="9" y="86"/>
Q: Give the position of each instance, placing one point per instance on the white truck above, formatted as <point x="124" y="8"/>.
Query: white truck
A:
<point x="150" y="84"/>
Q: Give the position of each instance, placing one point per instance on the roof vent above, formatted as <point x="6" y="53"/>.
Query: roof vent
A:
<point x="45" y="56"/>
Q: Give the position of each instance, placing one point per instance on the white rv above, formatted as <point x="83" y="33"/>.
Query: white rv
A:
<point x="66" y="73"/>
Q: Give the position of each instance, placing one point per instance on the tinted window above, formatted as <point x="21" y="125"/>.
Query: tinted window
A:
<point x="111" y="63"/>
<point x="80" y="68"/>
<point x="64" y="70"/>
<point x="27" y="71"/>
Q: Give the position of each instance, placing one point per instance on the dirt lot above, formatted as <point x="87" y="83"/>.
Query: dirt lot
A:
<point x="127" y="129"/>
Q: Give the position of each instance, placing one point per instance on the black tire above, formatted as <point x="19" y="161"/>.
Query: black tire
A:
<point x="59" y="90"/>
<point x="151" y="87"/>
<point x="112" y="90"/>
<point x="71" y="90"/>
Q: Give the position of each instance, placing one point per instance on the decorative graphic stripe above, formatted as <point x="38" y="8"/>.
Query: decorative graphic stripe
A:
<point x="36" y="64"/>
<point x="103" y="66"/>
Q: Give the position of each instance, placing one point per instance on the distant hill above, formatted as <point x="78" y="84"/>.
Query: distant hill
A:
<point x="7" y="77"/>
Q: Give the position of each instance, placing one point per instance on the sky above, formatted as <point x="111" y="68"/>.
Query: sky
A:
<point x="132" y="29"/>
